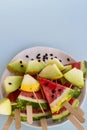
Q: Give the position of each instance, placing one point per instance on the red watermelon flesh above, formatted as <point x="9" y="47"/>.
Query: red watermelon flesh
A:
<point x="30" y="98"/>
<point x="13" y="96"/>
<point x="36" y="111"/>
<point x="55" y="93"/>
<point x="31" y="94"/>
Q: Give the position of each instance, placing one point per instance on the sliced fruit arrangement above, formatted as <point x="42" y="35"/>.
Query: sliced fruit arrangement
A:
<point x="48" y="84"/>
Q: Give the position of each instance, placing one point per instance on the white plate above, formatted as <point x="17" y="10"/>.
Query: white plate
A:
<point x="31" y="53"/>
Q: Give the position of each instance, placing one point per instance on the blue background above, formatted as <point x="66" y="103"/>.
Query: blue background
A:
<point x="59" y="24"/>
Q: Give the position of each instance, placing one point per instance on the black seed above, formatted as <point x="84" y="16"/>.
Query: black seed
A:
<point x="51" y="54"/>
<point x="10" y="83"/>
<point x="55" y="57"/>
<point x="32" y="59"/>
<point x="53" y="91"/>
<point x="52" y="96"/>
<point x="38" y="60"/>
<point x="46" y="54"/>
<point x="51" y="58"/>
<point x="32" y="96"/>
<point x="20" y="62"/>
<point x="60" y="60"/>
<point x="27" y="56"/>
<point x="44" y="60"/>
<point x="46" y="84"/>
<point x="59" y="90"/>
<point x="68" y="59"/>
<point x="22" y="66"/>
<point x="38" y="57"/>
<point x="38" y="54"/>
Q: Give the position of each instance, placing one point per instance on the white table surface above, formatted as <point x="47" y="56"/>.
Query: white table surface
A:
<point x="59" y="24"/>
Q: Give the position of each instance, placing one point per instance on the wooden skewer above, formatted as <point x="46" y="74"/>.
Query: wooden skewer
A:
<point x="44" y="124"/>
<point x="8" y="123"/>
<point x="29" y="114"/>
<point x="74" y="112"/>
<point x="38" y="102"/>
<point x="17" y="119"/>
<point x="75" y="122"/>
<point x="43" y="120"/>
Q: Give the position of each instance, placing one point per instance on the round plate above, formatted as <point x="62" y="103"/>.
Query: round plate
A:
<point x="32" y="53"/>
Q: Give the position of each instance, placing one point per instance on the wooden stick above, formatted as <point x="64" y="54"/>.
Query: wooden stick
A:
<point x="75" y="122"/>
<point x="38" y="102"/>
<point x="17" y="119"/>
<point x="44" y="124"/>
<point x="74" y="112"/>
<point x="80" y="111"/>
<point x="8" y="123"/>
<point x="43" y="120"/>
<point x="29" y="114"/>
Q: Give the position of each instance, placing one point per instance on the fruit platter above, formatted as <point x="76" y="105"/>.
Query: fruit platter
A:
<point x="43" y="78"/>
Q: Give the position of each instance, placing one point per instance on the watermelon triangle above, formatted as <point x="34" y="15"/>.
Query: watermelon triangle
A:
<point x="55" y="93"/>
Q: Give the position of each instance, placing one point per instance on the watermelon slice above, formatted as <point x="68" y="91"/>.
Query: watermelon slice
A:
<point x="12" y="97"/>
<point x="63" y="112"/>
<point x="28" y="98"/>
<point x="37" y="114"/>
<point x="55" y="94"/>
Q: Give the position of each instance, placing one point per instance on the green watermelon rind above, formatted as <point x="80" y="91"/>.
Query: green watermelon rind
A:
<point x="23" y="103"/>
<point x="60" y="117"/>
<point x="67" y="97"/>
<point x="36" y="117"/>
<point x="84" y="68"/>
